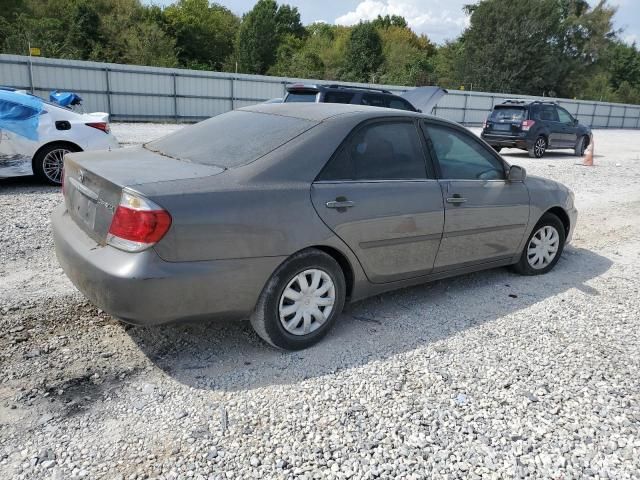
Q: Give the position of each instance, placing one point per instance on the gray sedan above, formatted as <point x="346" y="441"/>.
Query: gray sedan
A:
<point x="282" y="213"/>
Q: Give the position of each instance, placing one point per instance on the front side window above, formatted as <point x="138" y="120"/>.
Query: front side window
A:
<point x="564" y="116"/>
<point x="461" y="157"/>
<point x="379" y="151"/>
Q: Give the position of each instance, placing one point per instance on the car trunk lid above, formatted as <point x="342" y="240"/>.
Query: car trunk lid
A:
<point x="93" y="182"/>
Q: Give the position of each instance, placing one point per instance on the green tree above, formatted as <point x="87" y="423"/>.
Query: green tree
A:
<point x="540" y="46"/>
<point x="262" y="31"/>
<point x="363" y="54"/>
<point x="204" y="34"/>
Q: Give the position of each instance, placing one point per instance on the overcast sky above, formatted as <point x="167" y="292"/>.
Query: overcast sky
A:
<point x="439" y="20"/>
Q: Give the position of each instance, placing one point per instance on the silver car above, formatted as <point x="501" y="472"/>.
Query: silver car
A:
<point x="282" y="213"/>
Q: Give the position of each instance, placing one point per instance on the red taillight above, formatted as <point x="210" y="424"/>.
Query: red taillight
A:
<point x="527" y="124"/>
<point x="142" y="226"/>
<point x="137" y="223"/>
<point x="104" y="126"/>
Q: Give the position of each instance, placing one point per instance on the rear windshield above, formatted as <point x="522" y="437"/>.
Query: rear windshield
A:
<point x="508" y="113"/>
<point x="301" y="97"/>
<point x="232" y="139"/>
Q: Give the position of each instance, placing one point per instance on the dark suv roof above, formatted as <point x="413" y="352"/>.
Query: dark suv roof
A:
<point x="336" y="93"/>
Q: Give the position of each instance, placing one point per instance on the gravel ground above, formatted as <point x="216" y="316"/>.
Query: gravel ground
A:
<point x="489" y="375"/>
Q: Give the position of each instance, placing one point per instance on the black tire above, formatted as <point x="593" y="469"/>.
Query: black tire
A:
<point x="538" y="148"/>
<point x="45" y="173"/>
<point x="265" y="319"/>
<point x="497" y="149"/>
<point x="523" y="266"/>
<point x="581" y="146"/>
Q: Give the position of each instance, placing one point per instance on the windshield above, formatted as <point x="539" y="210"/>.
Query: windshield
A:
<point x="301" y="97"/>
<point x="508" y="114"/>
<point x="232" y="139"/>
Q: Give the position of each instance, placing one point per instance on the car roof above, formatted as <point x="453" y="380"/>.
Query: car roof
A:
<point x="336" y="86"/>
<point x="323" y="111"/>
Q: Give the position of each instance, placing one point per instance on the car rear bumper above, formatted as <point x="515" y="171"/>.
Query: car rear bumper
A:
<point x="507" y="141"/>
<point x="143" y="289"/>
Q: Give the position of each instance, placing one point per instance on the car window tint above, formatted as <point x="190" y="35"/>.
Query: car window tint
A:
<point x="301" y="97"/>
<point x="231" y="139"/>
<point x="399" y="104"/>
<point x="508" y="114"/>
<point x="373" y="100"/>
<point x="564" y="116"/>
<point x="338" y="97"/>
<point x="549" y="113"/>
<point x="462" y="157"/>
<point x="379" y="151"/>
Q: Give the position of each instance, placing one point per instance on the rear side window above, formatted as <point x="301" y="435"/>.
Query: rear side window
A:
<point x="338" y="97"/>
<point x="232" y="139"/>
<point x="510" y="114"/>
<point x="461" y="157"/>
<point x="548" y="112"/>
<point x="301" y="97"/>
<point x="379" y="151"/>
<point x="373" y="100"/>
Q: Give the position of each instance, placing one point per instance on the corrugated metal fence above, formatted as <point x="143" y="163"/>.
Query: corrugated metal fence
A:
<point x="136" y="93"/>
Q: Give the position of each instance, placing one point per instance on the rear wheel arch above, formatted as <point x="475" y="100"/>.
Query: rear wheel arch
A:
<point x="344" y="263"/>
<point x="39" y="156"/>
<point x="61" y="143"/>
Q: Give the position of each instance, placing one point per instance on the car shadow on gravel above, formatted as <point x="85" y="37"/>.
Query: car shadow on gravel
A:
<point x="229" y="356"/>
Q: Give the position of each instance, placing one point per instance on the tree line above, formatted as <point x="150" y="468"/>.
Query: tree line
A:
<point x="563" y="48"/>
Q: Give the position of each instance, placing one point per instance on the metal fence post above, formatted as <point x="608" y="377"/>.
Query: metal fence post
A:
<point x="624" y="116"/>
<point x="30" y="72"/>
<point x="464" y="108"/>
<point x="233" y="96"/>
<point x="609" y="115"/>
<point x="593" y="114"/>
<point x="108" y="92"/>
<point x="175" y="98"/>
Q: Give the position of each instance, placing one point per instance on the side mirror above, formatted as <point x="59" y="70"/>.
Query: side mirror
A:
<point x="516" y="174"/>
<point x="575" y="122"/>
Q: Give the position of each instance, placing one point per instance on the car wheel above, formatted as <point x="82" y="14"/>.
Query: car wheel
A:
<point x="538" y="148"/>
<point x="581" y="146"/>
<point x="49" y="161"/>
<point x="543" y="248"/>
<point x="497" y="149"/>
<point x="301" y="301"/>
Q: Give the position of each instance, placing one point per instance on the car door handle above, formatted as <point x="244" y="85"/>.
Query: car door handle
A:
<point x="339" y="204"/>
<point x="456" y="200"/>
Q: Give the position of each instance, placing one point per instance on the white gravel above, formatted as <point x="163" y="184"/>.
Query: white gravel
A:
<point x="489" y="375"/>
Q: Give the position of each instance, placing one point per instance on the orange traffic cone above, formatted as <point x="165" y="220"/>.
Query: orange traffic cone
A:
<point x="587" y="160"/>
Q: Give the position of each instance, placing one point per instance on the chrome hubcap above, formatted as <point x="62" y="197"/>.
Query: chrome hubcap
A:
<point x="53" y="163"/>
<point x="543" y="247"/>
<point x="307" y="302"/>
<point x="539" y="147"/>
